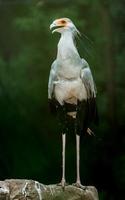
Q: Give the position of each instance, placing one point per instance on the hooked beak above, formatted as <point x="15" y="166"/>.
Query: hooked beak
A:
<point x="54" y="27"/>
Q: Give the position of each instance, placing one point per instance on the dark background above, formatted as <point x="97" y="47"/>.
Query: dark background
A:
<point x="30" y="140"/>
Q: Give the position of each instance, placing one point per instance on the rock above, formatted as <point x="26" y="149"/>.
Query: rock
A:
<point x="19" y="189"/>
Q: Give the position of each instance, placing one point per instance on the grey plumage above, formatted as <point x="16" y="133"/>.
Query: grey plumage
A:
<point x="82" y="72"/>
<point x="71" y="83"/>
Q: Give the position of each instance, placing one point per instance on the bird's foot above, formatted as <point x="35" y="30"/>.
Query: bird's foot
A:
<point x="63" y="183"/>
<point x="79" y="185"/>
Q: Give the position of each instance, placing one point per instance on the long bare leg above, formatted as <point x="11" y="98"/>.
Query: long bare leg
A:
<point x="63" y="181"/>
<point x="78" y="181"/>
<point x="78" y="159"/>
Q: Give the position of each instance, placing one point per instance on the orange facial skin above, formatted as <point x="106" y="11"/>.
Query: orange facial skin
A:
<point x="61" y="22"/>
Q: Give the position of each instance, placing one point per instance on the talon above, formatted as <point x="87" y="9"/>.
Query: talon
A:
<point x="63" y="184"/>
<point x="79" y="185"/>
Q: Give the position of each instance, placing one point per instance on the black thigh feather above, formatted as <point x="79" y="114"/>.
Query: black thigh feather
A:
<point x="86" y="113"/>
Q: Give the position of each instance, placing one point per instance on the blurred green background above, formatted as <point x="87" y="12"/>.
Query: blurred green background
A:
<point x="30" y="140"/>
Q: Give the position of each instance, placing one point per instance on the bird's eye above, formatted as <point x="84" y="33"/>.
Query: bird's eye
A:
<point x="63" y="21"/>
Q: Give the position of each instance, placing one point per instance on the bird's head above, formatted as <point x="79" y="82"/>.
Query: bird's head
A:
<point x="62" y="25"/>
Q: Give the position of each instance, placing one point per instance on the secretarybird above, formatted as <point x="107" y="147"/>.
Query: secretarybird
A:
<point x="71" y="90"/>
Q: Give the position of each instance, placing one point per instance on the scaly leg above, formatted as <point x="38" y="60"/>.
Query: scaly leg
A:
<point x="78" y="181"/>
<point x="63" y="181"/>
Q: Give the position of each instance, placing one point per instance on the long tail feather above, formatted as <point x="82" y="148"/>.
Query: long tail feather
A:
<point x="90" y="132"/>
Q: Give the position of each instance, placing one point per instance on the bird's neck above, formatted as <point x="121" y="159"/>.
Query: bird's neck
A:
<point x="66" y="46"/>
